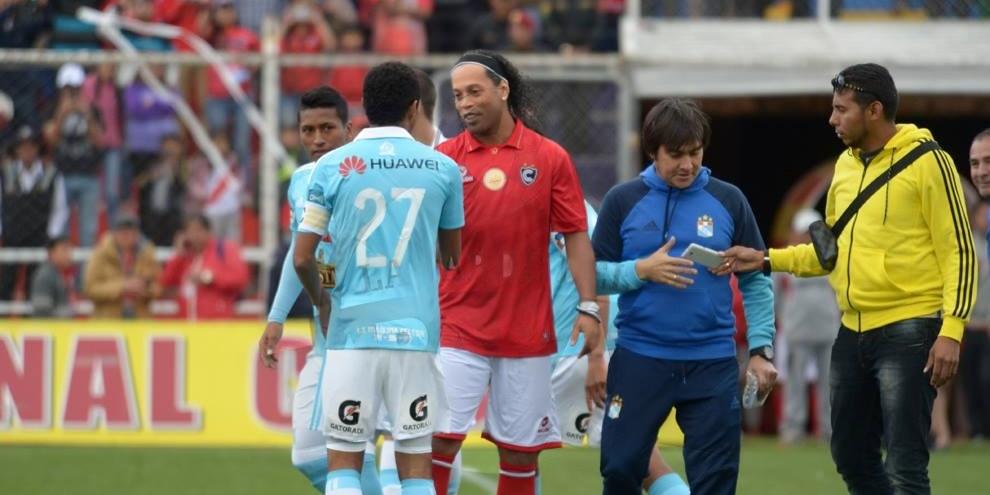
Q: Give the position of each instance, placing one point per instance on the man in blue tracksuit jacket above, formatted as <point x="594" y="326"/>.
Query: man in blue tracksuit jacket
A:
<point x="675" y="346"/>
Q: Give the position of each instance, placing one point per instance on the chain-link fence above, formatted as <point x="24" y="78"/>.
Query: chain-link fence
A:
<point x="873" y="10"/>
<point x="113" y="147"/>
<point x="582" y="115"/>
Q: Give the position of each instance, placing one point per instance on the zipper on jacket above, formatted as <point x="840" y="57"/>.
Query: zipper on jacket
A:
<point x="668" y="213"/>
<point x="852" y="231"/>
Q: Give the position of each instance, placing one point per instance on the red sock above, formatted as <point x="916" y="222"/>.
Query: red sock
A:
<point x="441" y="471"/>
<point x="516" y="480"/>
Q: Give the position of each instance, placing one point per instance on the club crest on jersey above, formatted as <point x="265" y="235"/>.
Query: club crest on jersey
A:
<point x="706" y="226"/>
<point x="386" y="149"/>
<point x="351" y="164"/>
<point x="615" y="407"/>
<point x="466" y="176"/>
<point x="528" y="174"/>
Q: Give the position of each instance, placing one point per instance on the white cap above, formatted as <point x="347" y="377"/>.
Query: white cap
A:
<point x="70" y="75"/>
<point x="804" y="218"/>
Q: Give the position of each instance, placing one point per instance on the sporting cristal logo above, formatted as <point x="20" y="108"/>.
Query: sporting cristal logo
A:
<point x="706" y="226"/>
<point x="351" y="163"/>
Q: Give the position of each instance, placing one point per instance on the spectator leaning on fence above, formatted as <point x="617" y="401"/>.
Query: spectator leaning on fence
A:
<point x="50" y="286"/>
<point x="32" y="204"/>
<point x="121" y="276"/>
<point x="207" y="274"/>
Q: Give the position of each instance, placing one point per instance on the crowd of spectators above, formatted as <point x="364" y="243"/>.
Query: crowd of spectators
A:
<point x="81" y="146"/>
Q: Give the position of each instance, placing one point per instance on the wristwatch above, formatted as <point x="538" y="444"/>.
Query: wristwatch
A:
<point x="765" y="352"/>
<point x="766" y="265"/>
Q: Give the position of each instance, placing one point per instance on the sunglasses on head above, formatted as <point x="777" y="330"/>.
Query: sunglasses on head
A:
<point x="839" y="82"/>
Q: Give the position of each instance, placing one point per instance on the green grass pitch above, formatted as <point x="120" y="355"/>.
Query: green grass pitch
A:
<point x="767" y="469"/>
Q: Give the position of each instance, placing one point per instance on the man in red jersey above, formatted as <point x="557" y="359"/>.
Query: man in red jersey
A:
<point x="497" y="319"/>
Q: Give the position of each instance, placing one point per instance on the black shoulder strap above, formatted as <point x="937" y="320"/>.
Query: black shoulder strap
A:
<point x="879" y="182"/>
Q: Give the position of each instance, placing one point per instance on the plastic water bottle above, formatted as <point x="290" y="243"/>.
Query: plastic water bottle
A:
<point x="751" y="393"/>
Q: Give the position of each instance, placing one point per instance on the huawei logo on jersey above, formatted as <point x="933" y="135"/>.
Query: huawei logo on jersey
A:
<point x="351" y="163"/>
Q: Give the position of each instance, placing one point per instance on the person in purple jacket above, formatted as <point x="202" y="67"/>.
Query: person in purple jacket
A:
<point x="150" y="117"/>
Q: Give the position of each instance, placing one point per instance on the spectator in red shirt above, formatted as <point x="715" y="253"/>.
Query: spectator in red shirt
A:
<point x="304" y="30"/>
<point x="225" y="34"/>
<point x="182" y="13"/>
<point x="497" y="331"/>
<point x="348" y="80"/>
<point x="207" y="275"/>
<point x="398" y="25"/>
<point x="522" y="33"/>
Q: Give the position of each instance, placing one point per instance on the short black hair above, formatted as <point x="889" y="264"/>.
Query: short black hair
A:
<point x="199" y="218"/>
<point x="324" y="97"/>
<point x="675" y="123"/>
<point x="869" y="83"/>
<point x="54" y="242"/>
<point x="984" y="134"/>
<point x="389" y="90"/>
<point x="427" y="93"/>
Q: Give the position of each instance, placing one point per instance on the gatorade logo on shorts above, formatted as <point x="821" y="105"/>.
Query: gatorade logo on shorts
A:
<point x="581" y="423"/>
<point x="418" y="409"/>
<point x="349" y="412"/>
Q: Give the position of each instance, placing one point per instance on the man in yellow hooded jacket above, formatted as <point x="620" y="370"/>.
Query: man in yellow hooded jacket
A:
<point x="905" y="280"/>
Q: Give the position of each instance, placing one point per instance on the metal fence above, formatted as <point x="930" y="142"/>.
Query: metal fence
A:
<point x="584" y="103"/>
<point x="871" y="10"/>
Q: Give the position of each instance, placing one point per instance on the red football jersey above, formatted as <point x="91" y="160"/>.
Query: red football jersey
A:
<point x="497" y="301"/>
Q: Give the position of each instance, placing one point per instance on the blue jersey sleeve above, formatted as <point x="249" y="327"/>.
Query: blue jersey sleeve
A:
<point x="452" y="215"/>
<point x="757" y="296"/>
<point x="616" y="278"/>
<point x="289" y="288"/>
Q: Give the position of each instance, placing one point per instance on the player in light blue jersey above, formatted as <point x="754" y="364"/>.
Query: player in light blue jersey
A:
<point x="393" y="206"/>
<point x="427" y="133"/>
<point x="323" y="126"/>
<point x="578" y="383"/>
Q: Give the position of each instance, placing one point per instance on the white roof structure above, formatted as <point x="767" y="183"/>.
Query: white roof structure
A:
<point x="672" y="57"/>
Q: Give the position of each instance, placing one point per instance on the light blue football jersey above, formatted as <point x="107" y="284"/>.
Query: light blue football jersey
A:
<point x="384" y="196"/>
<point x="296" y="194"/>
<point x="565" y="296"/>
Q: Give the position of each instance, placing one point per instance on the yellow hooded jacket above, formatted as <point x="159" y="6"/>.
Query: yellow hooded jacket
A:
<point x="908" y="252"/>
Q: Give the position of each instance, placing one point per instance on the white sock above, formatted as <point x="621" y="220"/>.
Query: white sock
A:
<point x="455" y="475"/>
<point x="388" y="473"/>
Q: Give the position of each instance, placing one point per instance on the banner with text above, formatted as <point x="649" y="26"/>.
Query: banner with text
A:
<point x="129" y="383"/>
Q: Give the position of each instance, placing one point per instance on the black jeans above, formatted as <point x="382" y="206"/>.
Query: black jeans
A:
<point x="882" y="399"/>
